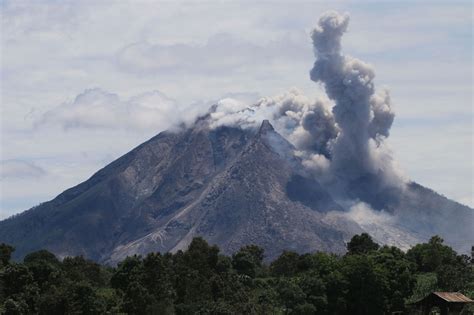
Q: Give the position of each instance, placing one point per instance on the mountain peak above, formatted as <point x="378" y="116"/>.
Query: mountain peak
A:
<point x="266" y="127"/>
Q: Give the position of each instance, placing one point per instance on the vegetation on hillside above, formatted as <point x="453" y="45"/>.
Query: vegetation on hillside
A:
<point x="367" y="280"/>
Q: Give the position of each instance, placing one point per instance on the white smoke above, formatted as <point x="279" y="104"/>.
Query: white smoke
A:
<point x="308" y="125"/>
<point x="382" y="226"/>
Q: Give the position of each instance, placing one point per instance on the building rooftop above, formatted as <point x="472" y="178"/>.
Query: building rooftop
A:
<point x="453" y="297"/>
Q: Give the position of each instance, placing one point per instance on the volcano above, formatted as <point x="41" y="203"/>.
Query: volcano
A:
<point x="285" y="173"/>
<point x="229" y="185"/>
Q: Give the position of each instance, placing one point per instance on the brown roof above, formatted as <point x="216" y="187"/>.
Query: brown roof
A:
<point x="453" y="297"/>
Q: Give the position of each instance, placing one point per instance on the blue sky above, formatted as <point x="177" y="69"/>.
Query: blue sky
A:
<point x="82" y="82"/>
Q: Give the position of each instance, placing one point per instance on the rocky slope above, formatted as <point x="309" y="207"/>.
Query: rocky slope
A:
<point x="231" y="186"/>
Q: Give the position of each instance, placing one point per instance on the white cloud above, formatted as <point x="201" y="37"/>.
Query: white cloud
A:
<point x="96" y="108"/>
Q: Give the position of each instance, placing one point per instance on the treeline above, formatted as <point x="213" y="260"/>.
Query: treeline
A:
<point x="367" y="280"/>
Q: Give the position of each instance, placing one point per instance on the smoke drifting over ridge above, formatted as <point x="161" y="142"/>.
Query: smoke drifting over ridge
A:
<point x="340" y="141"/>
<point x="340" y="138"/>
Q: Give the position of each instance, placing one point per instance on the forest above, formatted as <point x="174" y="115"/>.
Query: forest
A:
<point x="368" y="279"/>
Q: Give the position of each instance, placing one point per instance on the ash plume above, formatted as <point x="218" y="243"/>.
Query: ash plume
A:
<point x="308" y="125"/>
<point x="341" y="137"/>
<point x="363" y="116"/>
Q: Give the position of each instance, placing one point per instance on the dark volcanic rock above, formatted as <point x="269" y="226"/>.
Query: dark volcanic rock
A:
<point x="227" y="184"/>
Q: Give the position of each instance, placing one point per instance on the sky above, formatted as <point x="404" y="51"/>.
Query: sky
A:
<point x="83" y="82"/>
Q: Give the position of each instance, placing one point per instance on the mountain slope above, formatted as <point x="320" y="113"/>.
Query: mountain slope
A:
<point x="230" y="185"/>
<point x="125" y="198"/>
<point x="247" y="203"/>
<point x="223" y="184"/>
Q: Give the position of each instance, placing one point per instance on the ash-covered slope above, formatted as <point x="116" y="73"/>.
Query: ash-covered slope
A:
<point x="126" y="198"/>
<point x="232" y="186"/>
<point x="255" y="199"/>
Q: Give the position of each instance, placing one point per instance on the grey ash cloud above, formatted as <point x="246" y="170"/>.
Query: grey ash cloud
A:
<point x="363" y="116"/>
<point x="341" y="135"/>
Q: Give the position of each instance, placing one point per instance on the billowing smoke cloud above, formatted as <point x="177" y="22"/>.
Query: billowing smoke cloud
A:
<point x="343" y="140"/>
<point x="382" y="115"/>
<point x="309" y="126"/>
<point x="363" y="116"/>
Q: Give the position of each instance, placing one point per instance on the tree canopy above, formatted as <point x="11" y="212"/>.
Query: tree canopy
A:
<point x="369" y="279"/>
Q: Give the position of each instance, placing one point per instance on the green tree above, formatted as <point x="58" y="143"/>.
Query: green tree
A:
<point x="398" y="274"/>
<point x="337" y="287"/>
<point x="44" y="266"/>
<point x="159" y="280"/>
<point x="456" y="275"/>
<point x="424" y="285"/>
<point x="193" y="273"/>
<point x="361" y="244"/>
<point x="224" y="264"/>
<point x="285" y="265"/>
<point x="366" y="286"/>
<point x="80" y="269"/>
<point x="137" y="299"/>
<point x="315" y="290"/>
<point x="110" y="300"/>
<point x="128" y="271"/>
<point x="290" y="294"/>
<point x="13" y="307"/>
<point x="304" y="309"/>
<point x="82" y="299"/>
<point x="16" y="277"/>
<point x="201" y="256"/>
<point x="5" y="254"/>
<point x="248" y="260"/>
<point x="428" y="257"/>
<point x="368" y="280"/>
<point x="19" y="286"/>
<point x="54" y="301"/>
